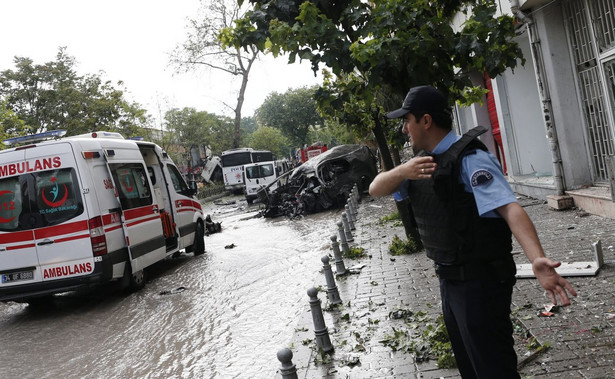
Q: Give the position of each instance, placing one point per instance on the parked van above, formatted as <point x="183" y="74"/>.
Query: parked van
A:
<point x="258" y="175"/>
<point x="89" y="209"/>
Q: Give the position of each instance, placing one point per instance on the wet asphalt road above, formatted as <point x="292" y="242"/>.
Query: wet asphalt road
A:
<point x="221" y="315"/>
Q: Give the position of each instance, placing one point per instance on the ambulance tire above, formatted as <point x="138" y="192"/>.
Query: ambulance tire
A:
<point x="199" y="240"/>
<point x="133" y="282"/>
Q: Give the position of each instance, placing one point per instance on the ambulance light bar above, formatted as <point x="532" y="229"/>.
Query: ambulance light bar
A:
<point x="33" y="138"/>
<point x="106" y="135"/>
<point x="90" y="154"/>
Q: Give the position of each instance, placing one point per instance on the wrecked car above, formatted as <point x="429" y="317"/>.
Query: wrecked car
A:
<point x="320" y="183"/>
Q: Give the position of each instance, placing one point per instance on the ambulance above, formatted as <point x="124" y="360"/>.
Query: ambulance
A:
<point x="89" y="209"/>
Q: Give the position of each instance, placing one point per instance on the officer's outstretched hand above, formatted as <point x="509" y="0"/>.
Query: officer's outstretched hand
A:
<point x="551" y="281"/>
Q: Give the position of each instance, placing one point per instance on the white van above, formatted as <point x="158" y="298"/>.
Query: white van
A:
<point x="89" y="209"/>
<point x="258" y="175"/>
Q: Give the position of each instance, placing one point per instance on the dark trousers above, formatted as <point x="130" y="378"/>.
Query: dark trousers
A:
<point x="477" y="317"/>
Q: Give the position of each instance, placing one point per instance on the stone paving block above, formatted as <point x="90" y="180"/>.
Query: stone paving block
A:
<point x="408" y="282"/>
<point x="570" y="364"/>
<point x="437" y="374"/>
<point x="404" y="370"/>
<point x="598" y="373"/>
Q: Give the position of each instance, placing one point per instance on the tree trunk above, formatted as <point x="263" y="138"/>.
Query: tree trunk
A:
<point x="245" y="72"/>
<point x="383" y="146"/>
<point x="403" y="207"/>
<point x="395" y="156"/>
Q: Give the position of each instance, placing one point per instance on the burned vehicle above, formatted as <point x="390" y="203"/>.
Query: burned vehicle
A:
<point x="320" y="183"/>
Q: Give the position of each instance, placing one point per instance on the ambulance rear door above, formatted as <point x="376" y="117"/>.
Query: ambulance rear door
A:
<point x="18" y="259"/>
<point x="57" y="212"/>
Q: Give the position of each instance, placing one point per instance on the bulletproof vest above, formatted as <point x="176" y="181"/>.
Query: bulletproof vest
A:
<point x="446" y="215"/>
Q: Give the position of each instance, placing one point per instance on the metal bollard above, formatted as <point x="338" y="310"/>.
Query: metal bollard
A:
<point x="349" y="237"/>
<point x="320" y="329"/>
<point x="349" y="216"/>
<point x="353" y="209"/>
<point x="288" y="369"/>
<point x="334" y="295"/>
<point x="357" y="194"/>
<point x="340" y="269"/>
<point x="342" y="235"/>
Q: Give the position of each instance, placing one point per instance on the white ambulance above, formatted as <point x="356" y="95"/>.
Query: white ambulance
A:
<point x="83" y="210"/>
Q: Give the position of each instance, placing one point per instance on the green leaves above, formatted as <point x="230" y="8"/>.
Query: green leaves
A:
<point x="293" y="113"/>
<point x="53" y="96"/>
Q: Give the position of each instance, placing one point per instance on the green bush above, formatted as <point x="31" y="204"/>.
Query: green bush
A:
<point x="401" y="247"/>
<point x="354" y="253"/>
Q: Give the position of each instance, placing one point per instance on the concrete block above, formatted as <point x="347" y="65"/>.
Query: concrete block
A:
<point x="560" y="202"/>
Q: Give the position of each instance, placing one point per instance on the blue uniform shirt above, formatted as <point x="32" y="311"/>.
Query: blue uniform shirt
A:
<point x="481" y="175"/>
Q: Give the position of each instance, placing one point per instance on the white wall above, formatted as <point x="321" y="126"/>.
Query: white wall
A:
<point x="567" y="115"/>
<point x="527" y="135"/>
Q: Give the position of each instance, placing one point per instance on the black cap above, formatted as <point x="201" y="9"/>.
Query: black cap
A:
<point x="423" y="99"/>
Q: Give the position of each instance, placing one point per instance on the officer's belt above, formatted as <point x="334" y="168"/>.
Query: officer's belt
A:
<point x="500" y="269"/>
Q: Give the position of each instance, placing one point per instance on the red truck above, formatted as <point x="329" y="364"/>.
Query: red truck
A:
<point x="312" y="151"/>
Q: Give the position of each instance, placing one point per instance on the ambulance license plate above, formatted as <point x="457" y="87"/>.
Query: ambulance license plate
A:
<point x="17" y="276"/>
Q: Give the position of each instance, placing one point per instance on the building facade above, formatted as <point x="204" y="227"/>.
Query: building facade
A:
<point x="552" y="119"/>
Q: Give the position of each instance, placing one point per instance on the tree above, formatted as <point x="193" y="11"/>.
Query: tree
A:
<point x="333" y="133"/>
<point x="188" y="128"/>
<point x="203" y="48"/>
<point x="10" y="124"/>
<point x="53" y="96"/>
<point x="272" y="139"/>
<point x="383" y="47"/>
<point x="293" y="112"/>
<point x="377" y="50"/>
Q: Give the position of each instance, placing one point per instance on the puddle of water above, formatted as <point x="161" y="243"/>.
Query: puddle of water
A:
<point x="238" y="307"/>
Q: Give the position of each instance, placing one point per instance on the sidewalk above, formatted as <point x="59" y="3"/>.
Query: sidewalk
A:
<point x="578" y="341"/>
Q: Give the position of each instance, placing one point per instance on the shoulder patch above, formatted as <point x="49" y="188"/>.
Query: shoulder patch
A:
<point x="480" y="177"/>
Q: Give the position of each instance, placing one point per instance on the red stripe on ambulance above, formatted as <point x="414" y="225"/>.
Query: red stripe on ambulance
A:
<point x="28" y="246"/>
<point x="58" y="230"/>
<point x="72" y="238"/>
<point x="13" y="237"/>
<point x="132" y="214"/>
<point x="155" y="217"/>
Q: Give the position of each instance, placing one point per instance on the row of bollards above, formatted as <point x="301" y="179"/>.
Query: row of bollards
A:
<point x="344" y="228"/>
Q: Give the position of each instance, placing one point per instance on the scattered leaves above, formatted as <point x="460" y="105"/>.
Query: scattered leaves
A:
<point x="401" y="247"/>
<point x="430" y="342"/>
<point x="354" y="253"/>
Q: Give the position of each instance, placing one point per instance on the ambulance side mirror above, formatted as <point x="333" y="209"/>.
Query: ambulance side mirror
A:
<point x="193" y="188"/>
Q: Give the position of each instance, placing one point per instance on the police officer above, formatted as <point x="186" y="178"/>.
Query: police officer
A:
<point x="465" y="213"/>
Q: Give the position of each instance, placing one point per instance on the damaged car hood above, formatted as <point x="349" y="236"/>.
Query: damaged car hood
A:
<point x="322" y="182"/>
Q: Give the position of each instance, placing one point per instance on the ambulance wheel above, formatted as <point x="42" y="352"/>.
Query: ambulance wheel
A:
<point x="199" y="240"/>
<point x="133" y="282"/>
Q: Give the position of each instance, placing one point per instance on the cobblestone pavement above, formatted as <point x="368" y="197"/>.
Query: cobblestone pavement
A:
<point x="578" y="341"/>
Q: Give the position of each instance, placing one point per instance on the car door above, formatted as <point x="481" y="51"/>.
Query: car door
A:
<point x="57" y="212"/>
<point x="184" y="206"/>
<point x="140" y="217"/>
<point x="18" y="259"/>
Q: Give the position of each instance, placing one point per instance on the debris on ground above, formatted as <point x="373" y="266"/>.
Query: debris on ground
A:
<point x="212" y="227"/>
<point x="356" y="268"/>
<point x="173" y="292"/>
<point x="321" y="183"/>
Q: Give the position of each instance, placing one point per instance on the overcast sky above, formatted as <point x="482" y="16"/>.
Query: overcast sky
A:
<point x="130" y="40"/>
